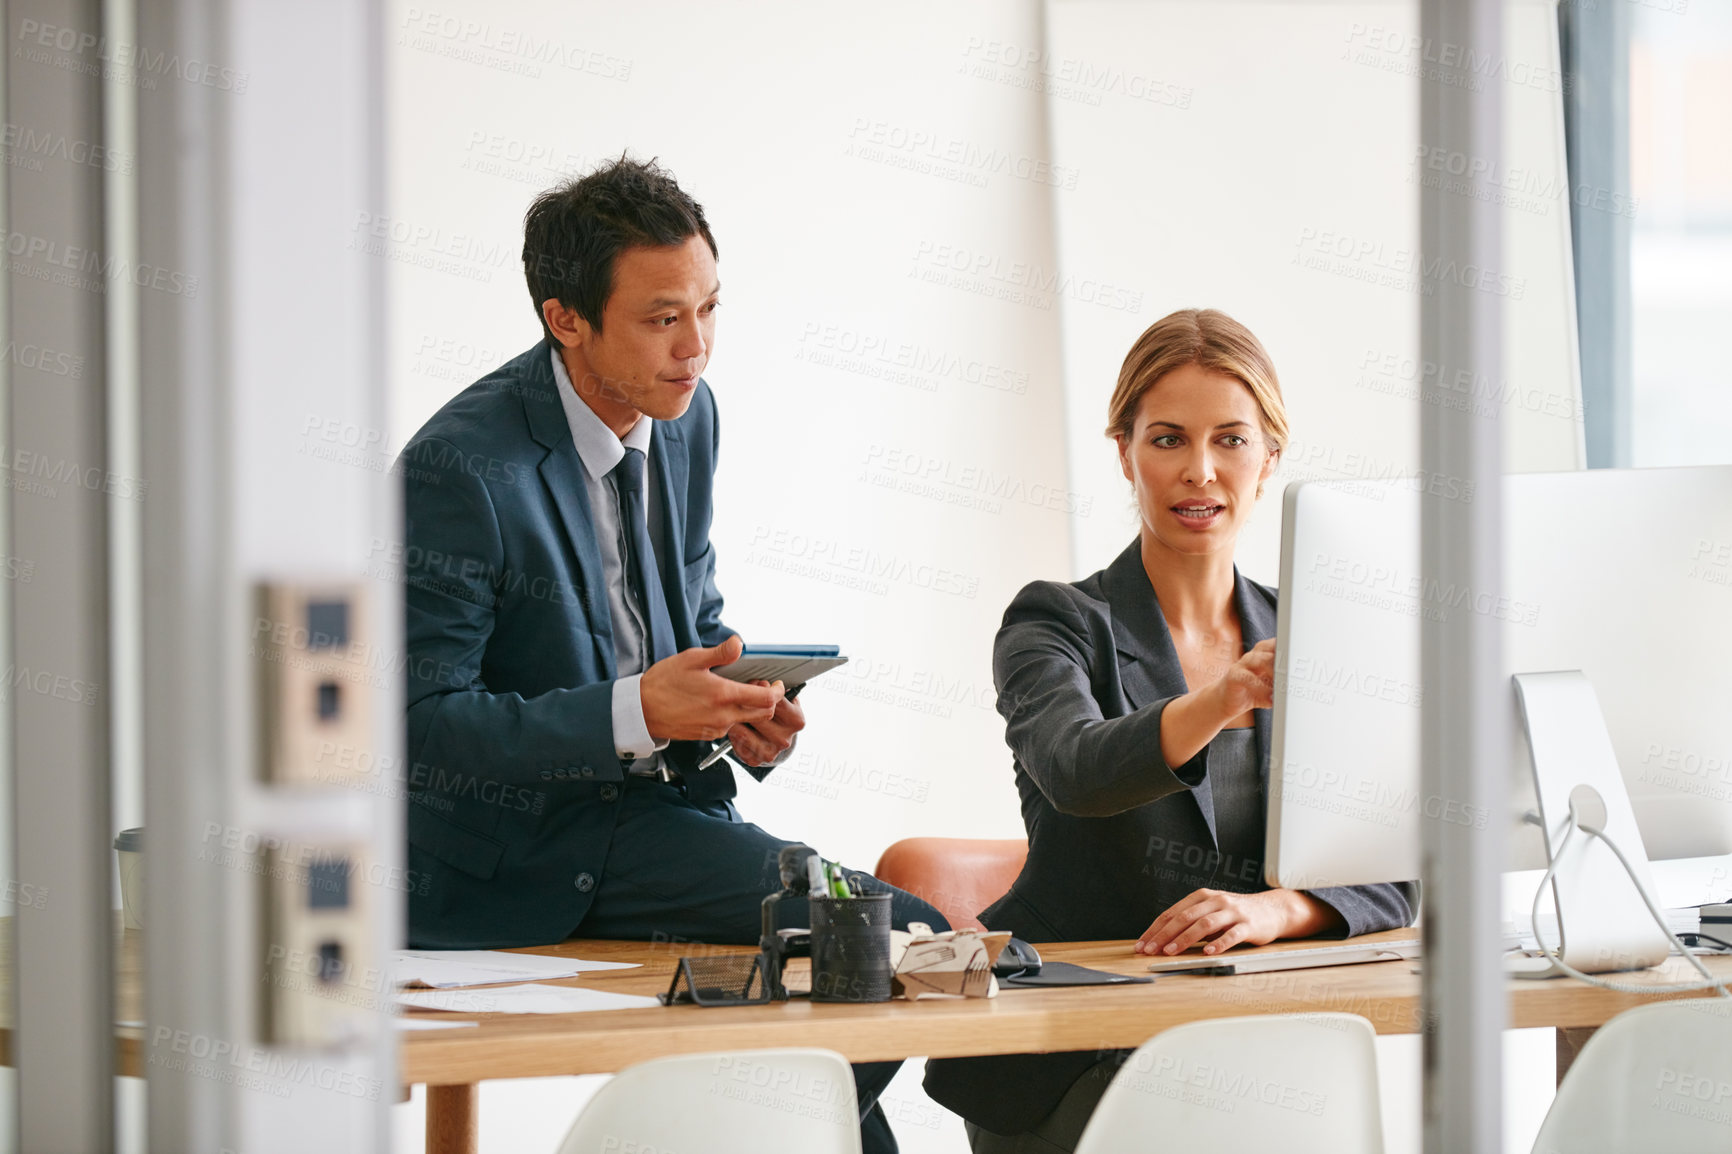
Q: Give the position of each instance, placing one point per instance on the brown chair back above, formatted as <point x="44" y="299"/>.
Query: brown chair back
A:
<point x="960" y="876"/>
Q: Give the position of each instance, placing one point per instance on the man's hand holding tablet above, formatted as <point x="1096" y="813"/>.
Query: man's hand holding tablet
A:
<point x="684" y="701"/>
<point x="791" y="666"/>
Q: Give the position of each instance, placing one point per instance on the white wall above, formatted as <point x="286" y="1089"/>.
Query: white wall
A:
<point x="1264" y="159"/>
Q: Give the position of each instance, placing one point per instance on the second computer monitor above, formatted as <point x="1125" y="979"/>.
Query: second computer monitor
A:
<point x="1624" y="574"/>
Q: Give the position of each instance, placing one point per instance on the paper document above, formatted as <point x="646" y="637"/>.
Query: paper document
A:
<point x="1695" y="881"/>
<point x="522" y="1000"/>
<point x="429" y="1024"/>
<point x="449" y="969"/>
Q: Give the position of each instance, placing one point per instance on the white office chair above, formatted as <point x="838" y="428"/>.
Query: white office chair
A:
<point x="1296" y="1083"/>
<point x="1654" y="1078"/>
<point x="743" y="1103"/>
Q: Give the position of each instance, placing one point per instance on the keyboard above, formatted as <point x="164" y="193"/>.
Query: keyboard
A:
<point x="1342" y="954"/>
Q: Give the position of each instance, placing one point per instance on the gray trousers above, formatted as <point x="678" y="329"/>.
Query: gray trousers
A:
<point x="1060" y="1130"/>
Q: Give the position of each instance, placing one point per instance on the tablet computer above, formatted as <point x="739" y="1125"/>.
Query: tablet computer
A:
<point x="790" y="664"/>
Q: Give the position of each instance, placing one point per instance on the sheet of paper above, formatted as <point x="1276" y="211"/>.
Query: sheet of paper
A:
<point x="430" y="1024"/>
<point x="522" y="1000"/>
<point x="1695" y="881"/>
<point x="450" y="969"/>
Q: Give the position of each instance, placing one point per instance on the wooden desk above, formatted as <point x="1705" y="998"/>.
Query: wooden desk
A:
<point x="451" y="1062"/>
<point x="128" y="997"/>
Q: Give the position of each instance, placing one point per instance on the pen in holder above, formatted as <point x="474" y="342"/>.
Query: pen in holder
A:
<point x="850" y="948"/>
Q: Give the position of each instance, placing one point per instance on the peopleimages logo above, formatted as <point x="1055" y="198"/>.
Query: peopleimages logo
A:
<point x="270" y="1071"/>
<point x="1523" y="189"/>
<point x="803" y="555"/>
<point x="869" y="353"/>
<point x="44" y="360"/>
<point x="1446" y="62"/>
<point x="1458" y="387"/>
<point x="954" y="157"/>
<point x="86" y="269"/>
<point x="1369" y="800"/>
<point x="1066" y="77"/>
<point x="26" y="148"/>
<point x="1377" y="262"/>
<point x="36" y="40"/>
<point x="1016" y="281"/>
<point x="507" y="49"/>
<point x="966" y="485"/>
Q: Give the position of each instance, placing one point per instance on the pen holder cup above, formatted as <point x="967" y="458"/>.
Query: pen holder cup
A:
<point x="851" y="949"/>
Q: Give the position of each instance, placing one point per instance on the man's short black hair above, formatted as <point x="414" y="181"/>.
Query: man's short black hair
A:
<point x="573" y="232"/>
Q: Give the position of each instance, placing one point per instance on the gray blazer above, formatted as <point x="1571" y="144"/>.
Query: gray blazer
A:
<point x="1084" y="672"/>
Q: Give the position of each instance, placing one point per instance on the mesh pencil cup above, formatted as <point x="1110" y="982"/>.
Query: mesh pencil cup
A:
<point x="851" y="949"/>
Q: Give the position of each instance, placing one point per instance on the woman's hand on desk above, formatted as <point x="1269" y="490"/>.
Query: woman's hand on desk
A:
<point x="1221" y="920"/>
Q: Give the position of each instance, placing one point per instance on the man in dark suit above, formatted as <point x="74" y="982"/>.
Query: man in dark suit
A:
<point x="563" y="615"/>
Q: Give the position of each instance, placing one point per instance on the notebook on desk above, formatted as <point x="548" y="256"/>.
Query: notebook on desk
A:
<point x="1305" y="957"/>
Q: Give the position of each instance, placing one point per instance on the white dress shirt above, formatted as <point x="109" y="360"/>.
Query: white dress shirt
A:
<point x="600" y="451"/>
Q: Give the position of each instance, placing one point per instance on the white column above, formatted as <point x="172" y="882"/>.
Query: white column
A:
<point x="1467" y="705"/>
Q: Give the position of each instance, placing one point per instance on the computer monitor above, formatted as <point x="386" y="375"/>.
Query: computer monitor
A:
<point x="1623" y="574"/>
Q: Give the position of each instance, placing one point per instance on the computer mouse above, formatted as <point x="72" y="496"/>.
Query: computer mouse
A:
<point x="1018" y="960"/>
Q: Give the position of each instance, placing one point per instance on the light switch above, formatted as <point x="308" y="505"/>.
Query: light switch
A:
<point x="316" y="682"/>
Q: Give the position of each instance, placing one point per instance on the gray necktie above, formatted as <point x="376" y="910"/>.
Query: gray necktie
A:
<point x="643" y="577"/>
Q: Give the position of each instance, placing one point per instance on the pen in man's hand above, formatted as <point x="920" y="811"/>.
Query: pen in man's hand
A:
<point x="727" y="746"/>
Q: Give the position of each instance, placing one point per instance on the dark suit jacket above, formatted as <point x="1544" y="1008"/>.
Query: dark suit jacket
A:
<point x="1084" y="673"/>
<point x="512" y="768"/>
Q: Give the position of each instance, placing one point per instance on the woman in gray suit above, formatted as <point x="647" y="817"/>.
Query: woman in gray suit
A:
<point x="1136" y="702"/>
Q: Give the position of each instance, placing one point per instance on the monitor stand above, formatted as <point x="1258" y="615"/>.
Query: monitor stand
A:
<point x="1603" y="924"/>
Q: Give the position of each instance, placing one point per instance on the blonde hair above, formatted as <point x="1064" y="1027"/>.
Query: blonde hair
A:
<point x="1206" y="337"/>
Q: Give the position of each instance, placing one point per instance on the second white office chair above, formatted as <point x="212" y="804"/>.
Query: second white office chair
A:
<point x="1298" y="1084"/>
<point x="742" y="1103"/>
<point x="1656" y="1078"/>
